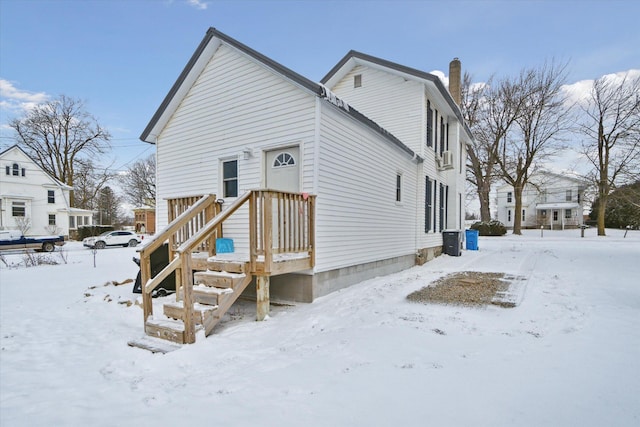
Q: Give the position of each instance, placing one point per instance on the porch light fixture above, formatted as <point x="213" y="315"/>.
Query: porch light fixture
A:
<point x="247" y="153"/>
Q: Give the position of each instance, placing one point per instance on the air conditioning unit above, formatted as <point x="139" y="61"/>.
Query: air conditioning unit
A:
<point x="446" y="162"/>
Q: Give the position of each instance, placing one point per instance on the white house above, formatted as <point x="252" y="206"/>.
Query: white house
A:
<point x="381" y="145"/>
<point x="551" y="200"/>
<point x="32" y="199"/>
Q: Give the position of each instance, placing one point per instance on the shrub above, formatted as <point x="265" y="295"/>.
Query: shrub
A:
<point x="491" y="228"/>
<point x="93" y="230"/>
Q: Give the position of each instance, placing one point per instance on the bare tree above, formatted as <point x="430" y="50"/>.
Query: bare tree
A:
<point x="89" y="182"/>
<point x="23" y="223"/>
<point x="490" y="110"/>
<point x="108" y="207"/>
<point x="541" y="120"/>
<point x="612" y="130"/>
<point x="57" y="134"/>
<point x="139" y="182"/>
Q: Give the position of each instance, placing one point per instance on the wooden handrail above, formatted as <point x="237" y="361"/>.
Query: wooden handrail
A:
<point x="212" y="225"/>
<point x="164" y="273"/>
<point x="177" y="223"/>
<point x="279" y="222"/>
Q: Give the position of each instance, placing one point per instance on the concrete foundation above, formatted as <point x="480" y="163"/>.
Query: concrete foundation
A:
<point x="305" y="287"/>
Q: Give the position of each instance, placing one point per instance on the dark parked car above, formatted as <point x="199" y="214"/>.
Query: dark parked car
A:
<point x="13" y="239"/>
<point x="112" y="238"/>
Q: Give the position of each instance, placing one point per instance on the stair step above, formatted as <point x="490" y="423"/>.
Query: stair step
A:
<point x="217" y="264"/>
<point x="200" y="311"/>
<point x="219" y="279"/>
<point x="209" y="295"/>
<point x="171" y="330"/>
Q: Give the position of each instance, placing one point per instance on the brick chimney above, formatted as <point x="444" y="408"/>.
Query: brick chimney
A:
<point x="455" y="69"/>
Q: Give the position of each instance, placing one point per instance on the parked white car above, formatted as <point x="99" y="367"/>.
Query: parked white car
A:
<point x="112" y="238"/>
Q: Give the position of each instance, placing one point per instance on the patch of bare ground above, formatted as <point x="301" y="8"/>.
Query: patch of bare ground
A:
<point x="467" y="288"/>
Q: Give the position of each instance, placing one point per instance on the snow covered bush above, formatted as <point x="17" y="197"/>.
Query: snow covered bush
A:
<point x="491" y="228"/>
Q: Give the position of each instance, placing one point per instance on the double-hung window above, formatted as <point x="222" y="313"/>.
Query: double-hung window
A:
<point x="427" y="204"/>
<point x="18" y="209"/>
<point x="429" y="125"/>
<point x="51" y="196"/>
<point x="230" y="178"/>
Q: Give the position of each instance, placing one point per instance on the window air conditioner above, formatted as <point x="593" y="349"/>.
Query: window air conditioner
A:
<point x="447" y="160"/>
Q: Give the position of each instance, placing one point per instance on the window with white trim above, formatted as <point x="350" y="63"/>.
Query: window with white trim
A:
<point x="398" y="187"/>
<point x="52" y="219"/>
<point x="51" y="196"/>
<point x="230" y="178"/>
<point x="568" y="213"/>
<point x="18" y="209"/>
<point x="357" y="80"/>
<point x="509" y="197"/>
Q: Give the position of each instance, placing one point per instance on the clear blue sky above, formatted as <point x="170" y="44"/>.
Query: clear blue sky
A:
<point x="122" y="56"/>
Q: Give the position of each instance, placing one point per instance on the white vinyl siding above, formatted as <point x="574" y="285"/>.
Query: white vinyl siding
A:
<point x="391" y="101"/>
<point x="38" y="195"/>
<point x="358" y="220"/>
<point x="235" y="103"/>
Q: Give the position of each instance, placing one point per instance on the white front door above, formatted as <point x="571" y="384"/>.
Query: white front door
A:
<point x="282" y="169"/>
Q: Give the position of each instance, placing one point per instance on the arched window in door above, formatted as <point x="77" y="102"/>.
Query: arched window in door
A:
<point x="283" y="160"/>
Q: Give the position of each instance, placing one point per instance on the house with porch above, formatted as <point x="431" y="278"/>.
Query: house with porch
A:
<point x="318" y="185"/>
<point x="550" y="200"/>
<point x="31" y="200"/>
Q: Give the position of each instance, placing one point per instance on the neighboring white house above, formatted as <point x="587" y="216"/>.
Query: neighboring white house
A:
<point x="30" y="198"/>
<point x="551" y="200"/>
<point x="383" y="147"/>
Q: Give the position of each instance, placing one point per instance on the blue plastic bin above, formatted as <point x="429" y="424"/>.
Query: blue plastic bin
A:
<point x="224" y="246"/>
<point x="471" y="237"/>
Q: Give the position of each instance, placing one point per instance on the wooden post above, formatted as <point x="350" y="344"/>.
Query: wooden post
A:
<point x="145" y="275"/>
<point x="267" y="230"/>
<point x="187" y="300"/>
<point x="262" y="297"/>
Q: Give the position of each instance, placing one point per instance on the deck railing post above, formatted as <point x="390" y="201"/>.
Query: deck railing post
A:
<point x="262" y="297"/>
<point x="187" y="300"/>
<point x="267" y="230"/>
<point x="145" y="275"/>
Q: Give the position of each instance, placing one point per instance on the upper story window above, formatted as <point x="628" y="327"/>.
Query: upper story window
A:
<point x="357" y="80"/>
<point x="568" y="196"/>
<point x="509" y="197"/>
<point x="398" y="188"/>
<point x="429" y="125"/>
<point x="51" y="196"/>
<point x="442" y="134"/>
<point x="15" y="170"/>
<point x="230" y="178"/>
<point x="284" y="159"/>
<point x="435" y="130"/>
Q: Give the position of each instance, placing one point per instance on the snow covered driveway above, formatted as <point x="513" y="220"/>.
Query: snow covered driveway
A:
<point x="568" y="354"/>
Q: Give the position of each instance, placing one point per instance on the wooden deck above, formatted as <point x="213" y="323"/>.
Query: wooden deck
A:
<point x="281" y="240"/>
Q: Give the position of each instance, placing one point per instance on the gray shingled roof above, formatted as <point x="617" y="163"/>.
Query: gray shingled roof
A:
<point x="316" y="88"/>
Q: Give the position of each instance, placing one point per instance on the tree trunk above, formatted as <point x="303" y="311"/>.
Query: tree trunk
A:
<point x="517" y="215"/>
<point x="602" y="206"/>
<point x="485" y="203"/>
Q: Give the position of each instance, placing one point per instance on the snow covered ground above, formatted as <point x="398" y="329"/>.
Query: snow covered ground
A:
<point x="567" y="355"/>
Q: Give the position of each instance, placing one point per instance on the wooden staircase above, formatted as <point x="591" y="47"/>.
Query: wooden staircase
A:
<point x="214" y="292"/>
<point x="281" y="240"/>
